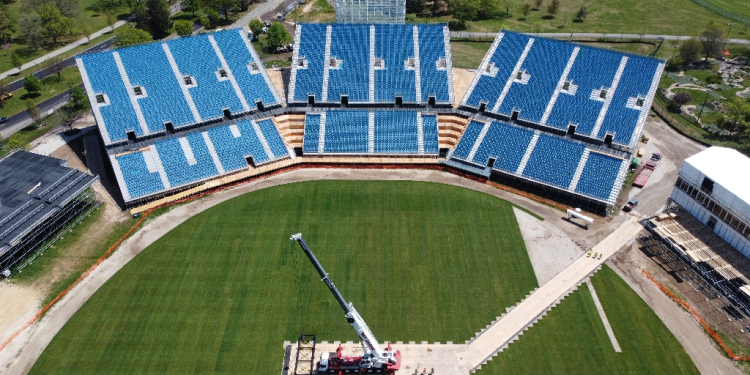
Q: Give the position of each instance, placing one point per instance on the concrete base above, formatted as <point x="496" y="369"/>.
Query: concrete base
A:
<point x="415" y="358"/>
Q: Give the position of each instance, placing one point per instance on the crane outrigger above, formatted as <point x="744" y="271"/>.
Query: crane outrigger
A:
<point x="375" y="359"/>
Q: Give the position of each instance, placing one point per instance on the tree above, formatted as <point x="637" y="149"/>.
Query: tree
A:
<point x="682" y="98"/>
<point x="488" y="9"/>
<point x="154" y="18"/>
<point x="32" y="84"/>
<point x="538" y="4"/>
<point x="33" y="110"/>
<point x="183" y="27"/>
<point x="245" y="5"/>
<point x="582" y="13"/>
<point x="525" y="10"/>
<point x="415" y="6"/>
<point x="464" y="10"/>
<point x="738" y="115"/>
<point x="16" y="60"/>
<point x="224" y="7"/>
<point x="256" y="26"/>
<point x="7" y="26"/>
<point x="191" y="6"/>
<point x="205" y="22"/>
<point x="128" y="36"/>
<point x="77" y="96"/>
<point x="712" y="39"/>
<point x="54" y="22"/>
<point x="213" y="17"/>
<point x="553" y="7"/>
<point x="689" y="50"/>
<point x="277" y="36"/>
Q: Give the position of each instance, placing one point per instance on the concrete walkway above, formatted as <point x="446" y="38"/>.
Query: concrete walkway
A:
<point x="465" y="34"/>
<point x="510" y="326"/>
<point x="602" y="315"/>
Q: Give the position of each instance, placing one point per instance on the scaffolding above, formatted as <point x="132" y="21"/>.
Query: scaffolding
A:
<point x="370" y="11"/>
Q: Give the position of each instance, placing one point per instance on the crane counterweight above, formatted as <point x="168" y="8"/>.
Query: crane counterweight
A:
<point x="375" y="357"/>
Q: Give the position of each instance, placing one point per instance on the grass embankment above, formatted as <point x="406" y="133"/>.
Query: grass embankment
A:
<point x="571" y="339"/>
<point x="221" y="292"/>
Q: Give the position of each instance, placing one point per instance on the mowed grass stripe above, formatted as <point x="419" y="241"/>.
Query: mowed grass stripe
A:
<point x="220" y="293"/>
<point x="571" y="339"/>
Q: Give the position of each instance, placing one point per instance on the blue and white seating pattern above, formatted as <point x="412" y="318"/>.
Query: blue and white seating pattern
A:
<point x="599" y="175"/>
<point x="349" y="132"/>
<point x="164" y="96"/>
<point x="352" y="45"/>
<point x="538" y="99"/>
<point x="188" y="159"/>
<point x="548" y="159"/>
<point x="506" y="143"/>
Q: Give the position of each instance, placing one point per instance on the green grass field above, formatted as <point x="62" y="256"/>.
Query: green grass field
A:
<point x="571" y="339"/>
<point x="420" y="261"/>
<point x="219" y="294"/>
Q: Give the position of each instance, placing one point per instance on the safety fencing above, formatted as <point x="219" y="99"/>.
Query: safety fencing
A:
<point x="146" y="213"/>
<point x="723" y="12"/>
<point x="702" y="322"/>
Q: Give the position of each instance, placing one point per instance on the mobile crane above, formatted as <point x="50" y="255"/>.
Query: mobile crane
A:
<point x="375" y="359"/>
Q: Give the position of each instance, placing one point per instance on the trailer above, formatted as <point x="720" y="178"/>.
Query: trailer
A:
<point x="648" y="169"/>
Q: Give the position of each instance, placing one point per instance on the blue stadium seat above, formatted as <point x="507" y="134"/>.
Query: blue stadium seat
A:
<point x="431" y="49"/>
<point x="104" y="77"/>
<point x="554" y="160"/>
<point x="545" y="63"/>
<point x="273" y="138"/>
<point x="233" y="151"/>
<point x="346" y="132"/>
<point x="351" y="44"/>
<point x="147" y="66"/>
<point x="139" y="181"/>
<point x="210" y="95"/>
<point x="506" y="143"/>
<point x="394" y="44"/>
<point x="506" y="55"/>
<point x="312" y="133"/>
<point x="312" y="46"/>
<point x="593" y="69"/>
<point x="431" y="140"/>
<point x="175" y="162"/>
<point x="599" y="175"/>
<point x="468" y="139"/>
<point x="238" y="57"/>
<point x="396" y="132"/>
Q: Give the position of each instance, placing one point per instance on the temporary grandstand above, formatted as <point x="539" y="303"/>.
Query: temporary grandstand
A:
<point x="371" y="65"/>
<point x="556" y="119"/>
<point x="39" y="196"/>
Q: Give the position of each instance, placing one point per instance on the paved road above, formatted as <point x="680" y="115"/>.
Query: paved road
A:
<point x="465" y="34"/>
<point x="22" y="119"/>
<point x="261" y="10"/>
<point x="70" y="61"/>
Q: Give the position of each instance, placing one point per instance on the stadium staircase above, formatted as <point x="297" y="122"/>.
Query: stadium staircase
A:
<point x="420" y="134"/>
<point x="262" y="139"/>
<point x="212" y="152"/>
<point x="479" y="140"/>
<point x="295" y="59"/>
<point x="417" y="69"/>
<point x="326" y="64"/>
<point x="527" y="155"/>
<point x="371" y="132"/>
<point x="608" y="99"/>
<point x="579" y="170"/>
<point x="322" y="139"/>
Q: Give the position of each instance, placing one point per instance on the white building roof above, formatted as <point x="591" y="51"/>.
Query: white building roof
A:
<point x="726" y="167"/>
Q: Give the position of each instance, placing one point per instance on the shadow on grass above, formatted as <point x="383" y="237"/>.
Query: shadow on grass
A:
<point x="29" y="95"/>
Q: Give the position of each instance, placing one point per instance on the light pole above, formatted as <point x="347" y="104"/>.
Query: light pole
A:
<point x="730" y="24"/>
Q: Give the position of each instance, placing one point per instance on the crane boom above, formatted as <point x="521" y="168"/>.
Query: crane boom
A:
<point x="374" y="355"/>
<point x="336" y="294"/>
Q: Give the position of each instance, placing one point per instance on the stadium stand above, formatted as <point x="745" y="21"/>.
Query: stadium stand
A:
<point x="550" y="83"/>
<point x="371" y="64"/>
<point x="179" y="161"/>
<point x="39" y="196"/>
<point x="553" y="161"/>
<point x="154" y="88"/>
<point x="383" y="132"/>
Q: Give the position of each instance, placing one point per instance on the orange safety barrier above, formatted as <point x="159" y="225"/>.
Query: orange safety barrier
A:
<point x="703" y="323"/>
<point x="114" y="246"/>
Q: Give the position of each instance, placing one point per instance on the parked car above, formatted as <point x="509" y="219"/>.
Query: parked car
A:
<point x="285" y="48"/>
<point x="3" y="120"/>
<point x="629" y="206"/>
<point x="6" y="96"/>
